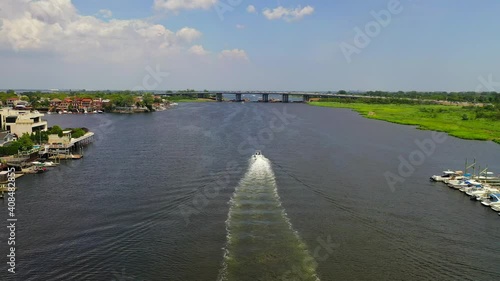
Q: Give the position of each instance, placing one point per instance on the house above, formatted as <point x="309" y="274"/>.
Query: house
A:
<point x="12" y="101"/>
<point x="75" y="104"/>
<point x="97" y="104"/>
<point x="20" y="104"/>
<point x="65" y="140"/>
<point x="55" y="102"/>
<point x="19" y="122"/>
<point x="64" y="105"/>
<point x="86" y="103"/>
<point x="6" y="138"/>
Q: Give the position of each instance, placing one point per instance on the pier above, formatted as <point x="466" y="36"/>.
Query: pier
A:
<point x="58" y="151"/>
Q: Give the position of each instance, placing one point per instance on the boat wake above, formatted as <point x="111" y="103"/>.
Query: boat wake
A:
<point x="260" y="236"/>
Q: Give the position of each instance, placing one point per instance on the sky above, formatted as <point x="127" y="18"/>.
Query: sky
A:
<point x="275" y="45"/>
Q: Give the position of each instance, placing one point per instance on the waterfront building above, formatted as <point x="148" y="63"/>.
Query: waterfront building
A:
<point x="19" y="122"/>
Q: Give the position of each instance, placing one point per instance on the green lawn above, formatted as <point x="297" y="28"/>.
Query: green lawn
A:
<point x="443" y="118"/>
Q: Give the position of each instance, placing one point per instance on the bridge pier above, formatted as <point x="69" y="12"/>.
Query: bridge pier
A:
<point x="305" y="98"/>
<point x="238" y="97"/>
<point x="265" y="97"/>
<point x="285" y="98"/>
<point x="219" y="97"/>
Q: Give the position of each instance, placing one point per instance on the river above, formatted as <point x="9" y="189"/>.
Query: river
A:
<point x="177" y="195"/>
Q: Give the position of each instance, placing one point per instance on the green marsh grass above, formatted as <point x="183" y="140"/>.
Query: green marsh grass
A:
<point x="454" y="120"/>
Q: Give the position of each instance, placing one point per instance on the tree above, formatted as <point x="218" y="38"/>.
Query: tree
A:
<point x="148" y="100"/>
<point x="56" y="130"/>
<point x="25" y="142"/>
<point x="76" y="133"/>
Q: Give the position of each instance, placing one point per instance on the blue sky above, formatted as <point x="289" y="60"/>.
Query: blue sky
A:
<point x="281" y="45"/>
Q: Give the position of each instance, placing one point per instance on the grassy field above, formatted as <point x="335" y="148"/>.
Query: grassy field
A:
<point x="449" y="119"/>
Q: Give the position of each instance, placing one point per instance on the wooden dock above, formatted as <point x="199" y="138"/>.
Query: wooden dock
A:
<point x="66" y="157"/>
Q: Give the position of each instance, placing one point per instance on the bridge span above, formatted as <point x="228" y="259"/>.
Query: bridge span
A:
<point x="265" y="95"/>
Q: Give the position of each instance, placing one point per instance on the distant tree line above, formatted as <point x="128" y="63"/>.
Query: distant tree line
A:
<point x="38" y="99"/>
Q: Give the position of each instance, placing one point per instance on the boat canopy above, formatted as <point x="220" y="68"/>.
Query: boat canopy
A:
<point x="495" y="196"/>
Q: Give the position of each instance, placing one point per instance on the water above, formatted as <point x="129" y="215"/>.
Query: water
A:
<point x="259" y="233"/>
<point x="176" y="195"/>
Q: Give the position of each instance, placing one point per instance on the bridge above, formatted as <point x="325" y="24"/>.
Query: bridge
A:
<point x="285" y="96"/>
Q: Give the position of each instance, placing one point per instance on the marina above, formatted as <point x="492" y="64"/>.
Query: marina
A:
<point x="483" y="186"/>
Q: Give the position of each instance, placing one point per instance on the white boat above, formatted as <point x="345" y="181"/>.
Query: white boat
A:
<point x="487" y="176"/>
<point x="481" y="193"/>
<point x="471" y="185"/>
<point x="495" y="207"/>
<point x="44" y="164"/>
<point x="484" y="196"/>
<point x="458" y="184"/>
<point x="447" y="175"/>
<point x="493" y="199"/>
<point x="258" y="154"/>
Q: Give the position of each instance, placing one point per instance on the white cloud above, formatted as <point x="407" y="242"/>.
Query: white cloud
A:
<point x="234" y="54"/>
<point x="177" y="5"/>
<point x="288" y="14"/>
<point x="240" y="26"/>
<point x="54" y="26"/>
<point x="105" y="13"/>
<point x="188" y="34"/>
<point x="251" y="9"/>
<point x="198" y="50"/>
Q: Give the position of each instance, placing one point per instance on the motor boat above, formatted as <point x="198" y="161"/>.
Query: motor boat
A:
<point x="257" y="154"/>
<point x="50" y="164"/>
<point x="458" y="184"/>
<point x="493" y="199"/>
<point x="471" y="185"/>
<point x="447" y="175"/>
<point x="481" y="193"/>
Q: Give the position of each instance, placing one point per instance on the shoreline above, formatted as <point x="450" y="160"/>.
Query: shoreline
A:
<point x="442" y="118"/>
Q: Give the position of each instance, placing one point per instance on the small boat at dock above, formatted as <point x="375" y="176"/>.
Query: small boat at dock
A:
<point x="493" y="199"/>
<point x="447" y="175"/>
